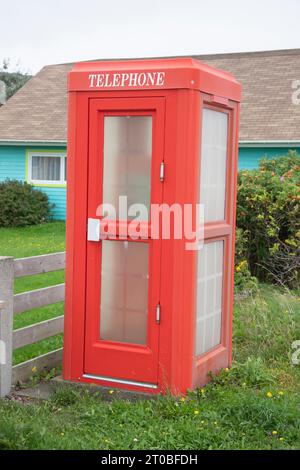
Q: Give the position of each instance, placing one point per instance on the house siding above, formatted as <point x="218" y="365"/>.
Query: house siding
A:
<point x="13" y="166"/>
<point x="12" y="163"/>
<point x="56" y="196"/>
<point x="249" y="156"/>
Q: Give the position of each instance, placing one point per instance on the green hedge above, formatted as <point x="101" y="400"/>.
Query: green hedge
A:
<point x="268" y="218"/>
<point x="21" y="205"/>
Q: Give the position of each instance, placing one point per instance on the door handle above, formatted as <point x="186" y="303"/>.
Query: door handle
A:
<point x="93" y="230"/>
<point x="157" y="314"/>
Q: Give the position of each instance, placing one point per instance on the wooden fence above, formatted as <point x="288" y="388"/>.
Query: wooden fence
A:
<point x="11" y="305"/>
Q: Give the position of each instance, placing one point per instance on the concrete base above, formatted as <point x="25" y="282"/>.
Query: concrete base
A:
<point x="44" y="390"/>
<point x="41" y="391"/>
<point x="105" y="393"/>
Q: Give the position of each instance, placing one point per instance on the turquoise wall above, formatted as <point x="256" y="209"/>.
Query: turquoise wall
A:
<point x="12" y="165"/>
<point x="250" y="156"/>
<point x="57" y="196"/>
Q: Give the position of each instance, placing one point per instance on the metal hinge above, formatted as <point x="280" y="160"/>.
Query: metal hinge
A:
<point x="157" y="313"/>
<point x="162" y="172"/>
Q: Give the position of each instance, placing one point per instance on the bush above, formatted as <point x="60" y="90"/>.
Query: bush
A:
<point x="268" y="212"/>
<point x="21" y="205"/>
<point x="244" y="283"/>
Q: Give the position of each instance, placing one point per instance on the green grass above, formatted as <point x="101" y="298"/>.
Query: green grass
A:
<point x="37" y="281"/>
<point x="38" y="314"/>
<point x="33" y="241"/>
<point x="226" y="417"/>
<point x="254" y="405"/>
<point x="267" y="325"/>
<point x="36" y="349"/>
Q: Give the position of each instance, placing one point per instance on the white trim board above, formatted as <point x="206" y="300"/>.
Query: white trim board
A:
<point x="34" y="143"/>
<point x="269" y="143"/>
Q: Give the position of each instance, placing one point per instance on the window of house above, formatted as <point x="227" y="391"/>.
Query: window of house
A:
<point x="47" y="168"/>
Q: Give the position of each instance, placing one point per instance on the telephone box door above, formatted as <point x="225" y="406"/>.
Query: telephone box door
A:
<point x="123" y="268"/>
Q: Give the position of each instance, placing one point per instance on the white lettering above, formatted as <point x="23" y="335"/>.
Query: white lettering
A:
<point x="160" y="78"/>
<point x="142" y="79"/>
<point x="100" y="79"/>
<point x="107" y="83"/>
<point x="126" y="79"/>
<point x="116" y="79"/>
<point x="92" y="76"/>
<point x="151" y="78"/>
<point x="113" y="460"/>
<point x="132" y="79"/>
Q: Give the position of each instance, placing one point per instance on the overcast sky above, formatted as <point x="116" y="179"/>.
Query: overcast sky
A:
<point x="40" y="32"/>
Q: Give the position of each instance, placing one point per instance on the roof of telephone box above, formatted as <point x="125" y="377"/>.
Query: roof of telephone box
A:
<point x="175" y="73"/>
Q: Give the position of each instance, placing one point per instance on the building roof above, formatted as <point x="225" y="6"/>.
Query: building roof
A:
<point x="37" y="112"/>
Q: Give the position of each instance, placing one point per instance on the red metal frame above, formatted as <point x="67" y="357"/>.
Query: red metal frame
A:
<point x="189" y="86"/>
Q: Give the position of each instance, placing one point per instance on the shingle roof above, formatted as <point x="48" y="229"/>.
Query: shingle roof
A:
<point x="267" y="110"/>
<point x="37" y="112"/>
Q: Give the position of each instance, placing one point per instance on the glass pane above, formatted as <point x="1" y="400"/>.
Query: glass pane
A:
<point x="124" y="291"/>
<point x="127" y="159"/>
<point x="209" y="296"/>
<point x="65" y="168"/>
<point x="45" y="168"/>
<point x="213" y="164"/>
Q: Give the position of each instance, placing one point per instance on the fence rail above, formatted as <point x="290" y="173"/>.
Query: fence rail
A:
<point x="33" y="333"/>
<point x="39" y="264"/>
<point x="38" y="298"/>
<point x="11" y="304"/>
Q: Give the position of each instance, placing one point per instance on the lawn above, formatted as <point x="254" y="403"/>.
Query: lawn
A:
<point x="253" y="405"/>
<point x="33" y="241"/>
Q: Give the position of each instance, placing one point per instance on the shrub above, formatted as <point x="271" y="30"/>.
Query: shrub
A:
<point x="21" y="205"/>
<point x="268" y="212"/>
<point x="244" y="283"/>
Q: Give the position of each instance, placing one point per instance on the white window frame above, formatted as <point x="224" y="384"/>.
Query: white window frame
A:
<point x="63" y="161"/>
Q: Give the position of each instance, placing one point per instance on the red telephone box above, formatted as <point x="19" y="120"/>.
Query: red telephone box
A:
<point x="143" y="311"/>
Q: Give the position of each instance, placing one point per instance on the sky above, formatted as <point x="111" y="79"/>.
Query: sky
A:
<point x="35" y="33"/>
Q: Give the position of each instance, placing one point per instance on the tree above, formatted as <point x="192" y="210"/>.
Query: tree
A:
<point x="13" y="79"/>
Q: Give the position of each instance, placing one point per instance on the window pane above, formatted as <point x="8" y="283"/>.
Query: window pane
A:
<point x="45" y="168"/>
<point x="127" y="159"/>
<point x="213" y="164"/>
<point x="209" y="296"/>
<point x="124" y="291"/>
<point x="65" y="168"/>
